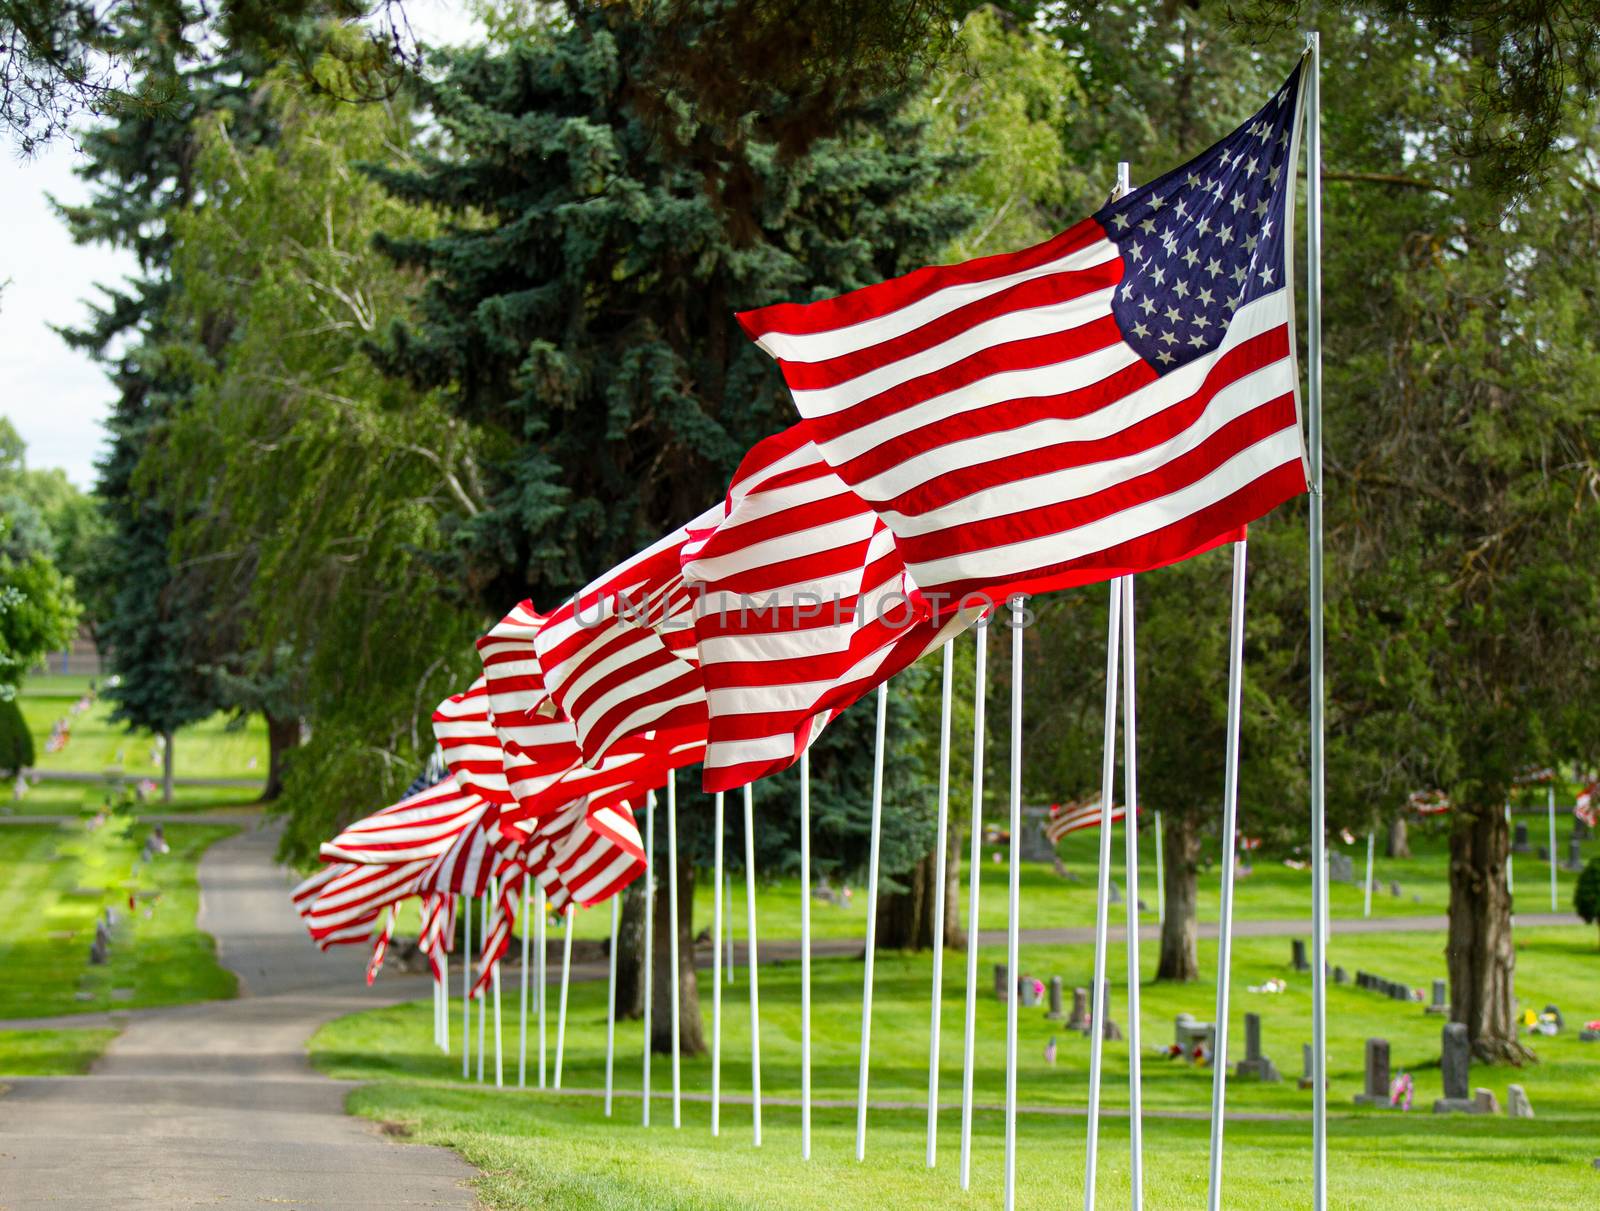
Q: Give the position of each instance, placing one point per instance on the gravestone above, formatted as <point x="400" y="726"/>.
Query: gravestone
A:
<point x="1298" y="954"/>
<point x="1036" y="846"/>
<point x="1517" y="1103"/>
<point x="97" y="953"/>
<point x="1112" y="1032"/>
<point x="1055" y="1014"/>
<point x="1574" y="855"/>
<point x="1544" y="853"/>
<point x="1079" y="1020"/>
<point x="1376" y="1090"/>
<point x="1116" y="893"/>
<point x="1519" y="841"/>
<point x="1440" y="1003"/>
<point x="1187" y="1033"/>
<point x="1255" y="1066"/>
<point x="1484" y="1101"/>
<point x="1555" y="1013"/>
<point x="1028" y="992"/>
<point x="1340" y="868"/>
<point x="1455" y="1067"/>
<point x="1580" y="830"/>
<point x="1000" y="981"/>
<point x="1394" y="889"/>
<point x="1399" y="992"/>
<point x="1341" y="976"/>
<point x="1306" y="1078"/>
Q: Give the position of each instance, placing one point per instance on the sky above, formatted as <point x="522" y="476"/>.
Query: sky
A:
<point x="56" y="397"/>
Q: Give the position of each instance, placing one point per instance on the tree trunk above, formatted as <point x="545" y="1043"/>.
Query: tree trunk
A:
<point x="282" y="735"/>
<point x="1397" y="846"/>
<point x="691" y="1036"/>
<point x="630" y="952"/>
<point x="1479" y="952"/>
<point x="166" y="768"/>
<point x="955" y="918"/>
<point x="1179" y="931"/>
<point x="905" y="918"/>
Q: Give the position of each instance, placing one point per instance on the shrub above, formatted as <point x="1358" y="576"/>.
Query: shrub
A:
<point x="1586" y="897"/>
<point x="16" y="744"/>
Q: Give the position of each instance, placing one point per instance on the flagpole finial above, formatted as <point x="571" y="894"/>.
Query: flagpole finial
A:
<point x="1313" y="41"/>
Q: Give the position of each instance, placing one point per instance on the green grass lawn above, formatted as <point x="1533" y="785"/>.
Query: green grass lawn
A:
<point x="58" y="880"/>
<point x="85" y="798"/>
<point x="216" y="748"/>
<point x="51" y="1052"/>
<point x="1377" y="1157"/>
<point x="1272" y="891"/>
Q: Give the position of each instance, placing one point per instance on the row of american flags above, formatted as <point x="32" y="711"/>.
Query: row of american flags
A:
<point x="1113" y="400"/>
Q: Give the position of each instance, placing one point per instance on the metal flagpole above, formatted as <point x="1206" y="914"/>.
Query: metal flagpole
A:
<point x="672" y="942"/>
<point x="1014" y="904"/>
<point x="1130" y="837"/>
<point x="540" y="914"/>
<point x="444" y="1001"/>
<point x="561" y="1011"/>
<point x="1366" y="904"/>
<point x="750" y="956"/>
<point x="1511" y="881"/>
<point x="483" y="1008"/>
<point x="716" y="972"/>
<point x="1551" y="801"/>
<point x="1098" y="998"/>
<point x="940" y="862"/>
<point x="649" y="937"/>
<point x="1230" y="830"/>
<point x="974" y="871"/>
<point x="872" y="923"/>
<point x="805" y="953"/>
<point x="494" y="978"/>
<point x="611" y="998"/>
<point x="522" y="1029"/>
<point x="466" y="986"/>
<point x="728" y="895"/>
<point x="1319" y="839"/>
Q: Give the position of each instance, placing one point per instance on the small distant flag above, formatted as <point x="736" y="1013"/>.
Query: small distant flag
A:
<point x="1072" y="817"/>
<point x="1584" y="809"/>
<point x="1428" y="803"/>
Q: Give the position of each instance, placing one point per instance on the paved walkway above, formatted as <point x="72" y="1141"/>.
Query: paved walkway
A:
<point x="216" y="1104"/>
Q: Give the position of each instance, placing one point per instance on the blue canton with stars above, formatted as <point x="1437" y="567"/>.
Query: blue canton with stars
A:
<point x="1200" y="242"/>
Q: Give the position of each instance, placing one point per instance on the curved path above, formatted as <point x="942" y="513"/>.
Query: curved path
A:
<point x="215" y="1104"/>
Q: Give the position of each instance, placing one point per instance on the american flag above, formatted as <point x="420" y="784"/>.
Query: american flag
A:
<point x="467" y="740"/>
<point x="421" y="827"/>
<point x="618" y="659"/>
<point x="1110" y="401"/>
<point x="1428" y="803"/>
<point x="1584" y="808"/>
<point x="1072" y="817"/>
<point x="341" y="903"/>
<point x="802" y="605"/>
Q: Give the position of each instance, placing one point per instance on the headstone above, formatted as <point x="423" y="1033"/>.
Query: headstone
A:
<point x="1376" y="1089"/>
<point x="1440" y="1003"/>
<point x="1519" y="841"/>
<point x="1340" y="868"/>
<point x="1455" y="1067"/>
<point x="97" y="953"/>
<point x="1255" y="1066"/>
<point x="1589" y="1035"/>
<point x="1306" y="1079"/>
<point x="1544" y="853"/>
<point x="1188" y="1033"/>
<point x="1399" y="992"/>
<point x="1028" y="990"/>
<point x="1055" y="1014"/>
<point x="1484" y="1101"/>
<point x="1116" y="893"/>
<point x="1394" y="889"/>
<point x="1580" y="830"/>
<point x="1554" y="1014"/>
<point x="1341" y="976"/>
<point x="1574" y="854"/>
<point x="1079" y="1020"/>
<point x="1036" y="846"/>
<point x="1000" y="981"/>
<point x="1143" y="907"/>
<point x="1111" y="1030"/>
<point x="1298" y="954"/>
<point x="1517" y="1103"/>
